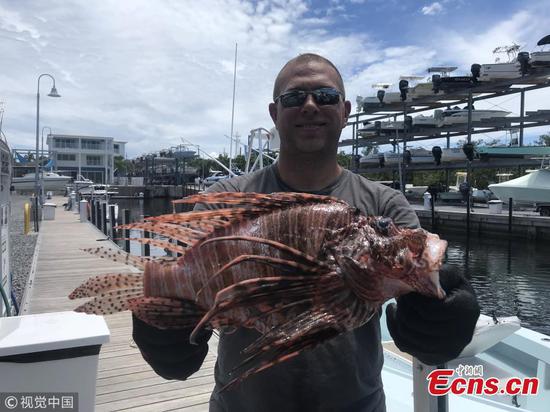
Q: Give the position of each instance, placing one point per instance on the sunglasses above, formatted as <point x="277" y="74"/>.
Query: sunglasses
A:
<point x="323" y="97"/>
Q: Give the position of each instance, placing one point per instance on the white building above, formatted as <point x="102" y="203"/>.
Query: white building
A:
<point x="89" y="156"/>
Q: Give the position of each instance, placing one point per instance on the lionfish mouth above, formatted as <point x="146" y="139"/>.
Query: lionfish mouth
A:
<point x="433" y="255"/>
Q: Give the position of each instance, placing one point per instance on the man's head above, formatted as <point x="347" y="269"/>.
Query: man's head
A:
<point x="314" y="124"/>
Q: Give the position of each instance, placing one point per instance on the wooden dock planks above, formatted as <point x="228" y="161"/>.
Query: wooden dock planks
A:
<point x="125" y="381"/>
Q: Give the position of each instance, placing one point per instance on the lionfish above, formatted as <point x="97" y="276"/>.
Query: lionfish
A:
<point x="299" y="268"/>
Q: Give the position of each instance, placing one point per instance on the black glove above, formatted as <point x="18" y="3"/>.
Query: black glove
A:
<point x="168" y="351"/>
<point x="433" y="330"/>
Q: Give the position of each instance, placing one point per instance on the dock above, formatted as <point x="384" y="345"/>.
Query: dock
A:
<point x="125" y="382"/>
<point x="523" y="223"/>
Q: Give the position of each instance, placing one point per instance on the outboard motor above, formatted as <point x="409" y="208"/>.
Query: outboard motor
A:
<point x="381" y="160"/>
<point x="464" y="189"/>
<point x="476" y="72"/>
<point x="378" y="126"/>
<point x="436" y="153"/>
<point x="380" y="94"/>
<point x="468" y="150"/>
<point x="403" y="88"/>
<point x="523" y="60"/>
<point x="436" y="82"/>
<point x="407" y="157"/>
<point x="408" y="124"/>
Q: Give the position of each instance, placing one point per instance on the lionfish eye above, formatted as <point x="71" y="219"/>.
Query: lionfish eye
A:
<point x="383" y="225"/>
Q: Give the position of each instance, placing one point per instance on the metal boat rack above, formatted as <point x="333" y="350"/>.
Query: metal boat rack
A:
<point x="538" y="78"/>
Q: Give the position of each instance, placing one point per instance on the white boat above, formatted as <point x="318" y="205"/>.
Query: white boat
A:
<point x="370" y="160"/>
<point x="420" y="155"/>
<point x="372" y="128"/>
<point x="460" y="116"/>
<point x="414" y="192"/>
<point x="51" y="181"/>
<point x="541" y="58"/>
<point x="530" y="189"/>
<point x="435" y="120"/>
<point x="499" y="71"/>
<point x="500" y="349"/>
<point x="453" y="154"/>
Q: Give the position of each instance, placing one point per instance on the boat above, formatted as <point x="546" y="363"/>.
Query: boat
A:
<point x="460" y="116"/>
<point x="52" y="181"/>
<point x="541" y="58"/>
<point x="532" y="189"/>
<point x="500" y="349"/>
<point x="435" y="120"/>
<point x="453" y="154"/>
<point x="372" y="159"/>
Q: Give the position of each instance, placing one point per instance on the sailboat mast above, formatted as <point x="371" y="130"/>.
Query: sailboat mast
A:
<point x="233" y="109"/>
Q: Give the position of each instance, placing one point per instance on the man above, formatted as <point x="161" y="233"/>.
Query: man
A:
<point x="343" y="374"/>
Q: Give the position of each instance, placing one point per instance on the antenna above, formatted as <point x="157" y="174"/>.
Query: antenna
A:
<point x="511" y="51"/>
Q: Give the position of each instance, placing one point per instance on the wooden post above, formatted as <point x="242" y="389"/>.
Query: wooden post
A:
<point x="126" y="231"/>
<point x="112" y="220"/>
<point x="104" y="217"/>
<point x="510" y="207"/>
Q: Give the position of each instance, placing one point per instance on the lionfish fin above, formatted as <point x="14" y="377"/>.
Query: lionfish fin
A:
<point x="107" y="282"/>
<point x="118" y="256"/>
<point x="264" y="294"/>
<point x="268" y="260"/>
<point x="262" y="200"/>
<point x="176" y="232"/>
<point x="166" y="313"/>
<point x="295" y="253"/>
<point x="158" y="243"/>
<point x="305" y="331"/>
<point x="109" y="302"/>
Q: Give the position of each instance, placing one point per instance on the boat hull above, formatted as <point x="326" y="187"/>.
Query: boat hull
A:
<point x="533" y="188"/>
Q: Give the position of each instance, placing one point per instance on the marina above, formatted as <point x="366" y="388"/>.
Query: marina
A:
<point x="292" y="268"/>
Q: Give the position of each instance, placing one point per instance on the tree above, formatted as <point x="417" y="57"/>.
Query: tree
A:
<point x="543" y="140"/>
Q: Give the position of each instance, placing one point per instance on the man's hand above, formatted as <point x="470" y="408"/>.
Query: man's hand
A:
<point x="168" y="351"/>
<point x="433" y="330"/>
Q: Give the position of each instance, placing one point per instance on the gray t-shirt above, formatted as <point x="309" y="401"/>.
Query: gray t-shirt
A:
<point x="342" y="374"/>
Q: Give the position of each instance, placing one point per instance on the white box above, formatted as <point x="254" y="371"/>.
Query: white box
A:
<point x="495" y="206"/>
<point x="52" y="352"/>
<point x="49" y="211"/>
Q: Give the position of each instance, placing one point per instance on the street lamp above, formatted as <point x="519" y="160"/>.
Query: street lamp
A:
<point x="42" y="168"/>
<point x="53" y="93"/>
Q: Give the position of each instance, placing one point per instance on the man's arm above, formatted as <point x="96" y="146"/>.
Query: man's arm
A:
<point x="432" y="330"/>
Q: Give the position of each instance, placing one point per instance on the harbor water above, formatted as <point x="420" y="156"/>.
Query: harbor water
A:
<point x="510" y="276"/>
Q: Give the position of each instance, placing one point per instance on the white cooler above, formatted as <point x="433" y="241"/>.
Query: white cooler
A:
<point x="52" y="353"/>
<point x="495" y="206"/>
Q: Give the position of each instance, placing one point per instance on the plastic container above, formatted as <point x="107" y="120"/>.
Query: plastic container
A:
<point x="52" y="353"/>
<point x="49" y="211"/>
<point x="495" y="206"/>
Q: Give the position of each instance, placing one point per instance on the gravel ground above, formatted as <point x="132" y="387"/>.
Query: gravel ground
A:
<point x="21" y="246"/>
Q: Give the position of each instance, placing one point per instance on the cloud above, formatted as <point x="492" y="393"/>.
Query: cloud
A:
<point x="149" y="73"/>
<point x="432" y="9"/>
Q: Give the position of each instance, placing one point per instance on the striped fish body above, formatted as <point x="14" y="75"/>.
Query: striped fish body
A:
<point x="303" y="227"/>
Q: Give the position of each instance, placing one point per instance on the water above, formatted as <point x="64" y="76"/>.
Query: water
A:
<point x="510" y="276"/>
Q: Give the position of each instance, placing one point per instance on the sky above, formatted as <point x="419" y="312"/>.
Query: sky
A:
<point x="153" y="72"/>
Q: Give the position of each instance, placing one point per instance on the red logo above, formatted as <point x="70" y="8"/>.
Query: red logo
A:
<point x="443" y="381"/>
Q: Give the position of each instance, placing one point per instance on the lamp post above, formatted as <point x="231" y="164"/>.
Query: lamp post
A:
<point x="53" y="93"/>
<point x="42" y="168"/>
